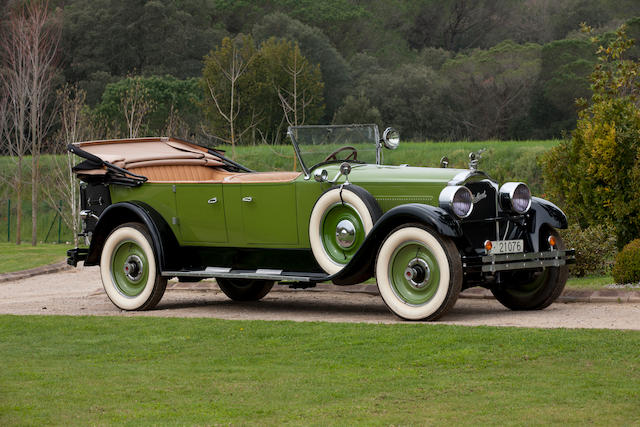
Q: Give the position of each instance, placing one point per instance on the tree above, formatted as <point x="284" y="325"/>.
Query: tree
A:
<point x="75" y="125"/>
<point x="30" y="46"/>
<point x="275" y="85"/>
<point x="595" y="175"/>
<point x="358" y="109"/>
<point x="224" y="68"/>
<point x="317" y="48"/>
<point x="410" y="99"/>
<point x="491" y="89"/>
<point x="171" y="99"/>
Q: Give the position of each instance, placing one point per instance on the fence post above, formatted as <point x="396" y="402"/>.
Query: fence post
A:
<point x="59" y="221"/>
<point x="9" y="221"/>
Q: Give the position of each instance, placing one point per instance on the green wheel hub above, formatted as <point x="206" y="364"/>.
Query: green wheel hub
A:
<point x="414" y="273"/>
<point x="342" y="232"/>
<point x="129" y="268"/>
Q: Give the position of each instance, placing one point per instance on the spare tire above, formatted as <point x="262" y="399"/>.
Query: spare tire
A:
<point x="340" y="220"/>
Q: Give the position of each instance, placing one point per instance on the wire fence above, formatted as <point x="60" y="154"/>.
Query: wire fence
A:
<point x="50" y="226"/>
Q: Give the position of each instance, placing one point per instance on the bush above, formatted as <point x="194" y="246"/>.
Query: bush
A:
<point x="627" y="267"/>
<point x="594" y="176"/>
<point x="595" y="249"/>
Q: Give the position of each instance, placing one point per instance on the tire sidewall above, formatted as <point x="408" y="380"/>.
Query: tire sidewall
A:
<point x="122" y="234"/>
<point x="366" y="210"/>
<point x="400" y="307"/>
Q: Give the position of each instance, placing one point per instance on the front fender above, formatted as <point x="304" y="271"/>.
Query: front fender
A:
<point x="165" y="245"/>
<point x="361" y="266"/>
<point x="545" y="214"/>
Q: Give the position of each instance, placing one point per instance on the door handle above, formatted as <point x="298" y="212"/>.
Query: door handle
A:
<point x="212" y="200"/>
<point x="247" y="199"/>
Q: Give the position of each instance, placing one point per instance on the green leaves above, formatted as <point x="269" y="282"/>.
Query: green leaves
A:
<point x="595" y="174"/>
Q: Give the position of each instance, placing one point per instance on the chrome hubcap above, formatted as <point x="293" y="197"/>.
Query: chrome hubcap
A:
<point x="345" y="233"/>
<point x="133" y="268"/>
<point x="417" y="273"/>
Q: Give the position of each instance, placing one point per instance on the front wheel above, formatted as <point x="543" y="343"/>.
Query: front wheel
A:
<point x="534" y="290"/>
<point x="245" y="289"/>
<point x="128" y="269"/>
<point x="419" y="273"/>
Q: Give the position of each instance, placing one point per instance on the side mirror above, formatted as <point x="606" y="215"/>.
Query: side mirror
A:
<point x="391" y="138"/>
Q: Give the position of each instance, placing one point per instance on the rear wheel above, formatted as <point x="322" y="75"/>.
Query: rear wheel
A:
<point x="128" y="269"/>
<point x="534" y="290"/>
<point x="419" y="273"/>
<point x="245" y="289"/>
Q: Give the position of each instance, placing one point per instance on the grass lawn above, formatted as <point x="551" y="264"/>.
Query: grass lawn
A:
<point x="141" y="371"/>
<point x="21" y="257"/>
<point x="589" y="282"/>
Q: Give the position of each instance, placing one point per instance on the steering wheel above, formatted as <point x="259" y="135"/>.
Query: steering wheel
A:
<point x="352" y="156"/>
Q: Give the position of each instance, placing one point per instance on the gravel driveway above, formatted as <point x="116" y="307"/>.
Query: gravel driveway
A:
<point x="79" y="292"/>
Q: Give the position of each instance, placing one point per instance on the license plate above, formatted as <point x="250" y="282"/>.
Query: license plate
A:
<point x="506" y="247"/>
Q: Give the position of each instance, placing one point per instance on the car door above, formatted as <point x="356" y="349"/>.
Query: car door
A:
<point x="267" y="213"/>
<point x="201" y="214"/>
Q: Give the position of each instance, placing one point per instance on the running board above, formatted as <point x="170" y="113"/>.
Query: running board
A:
<point x="261" y="274"/>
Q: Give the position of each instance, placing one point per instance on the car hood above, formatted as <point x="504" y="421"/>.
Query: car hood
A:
<point x="407" y="174"/>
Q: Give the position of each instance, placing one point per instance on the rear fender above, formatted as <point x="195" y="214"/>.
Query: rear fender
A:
<point x="165" y="244"/>
<point x="362" y="264"/>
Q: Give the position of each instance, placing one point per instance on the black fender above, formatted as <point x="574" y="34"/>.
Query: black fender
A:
<point x="542" y="214"/>
<point x="361" y="266"/>
<point x="165" y="245"/>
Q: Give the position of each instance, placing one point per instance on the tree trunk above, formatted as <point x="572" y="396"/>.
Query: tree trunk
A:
<point x="19" y="202"/>
<point x="34" y="199"/>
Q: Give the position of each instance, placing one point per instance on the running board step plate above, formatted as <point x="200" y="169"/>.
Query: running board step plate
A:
<point x="261" y="274"/>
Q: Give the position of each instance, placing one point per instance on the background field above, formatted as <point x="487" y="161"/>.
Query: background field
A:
<point x="64" y="370"/>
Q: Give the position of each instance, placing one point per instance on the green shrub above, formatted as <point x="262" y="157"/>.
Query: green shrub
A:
<point x="595" y="249"/>
<point x="594" y="176"/>
<point x="627" y="267"/>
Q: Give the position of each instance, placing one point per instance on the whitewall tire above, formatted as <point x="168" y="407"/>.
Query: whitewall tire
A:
<point x="128" y="269"/>
<point x="419" y="273"/>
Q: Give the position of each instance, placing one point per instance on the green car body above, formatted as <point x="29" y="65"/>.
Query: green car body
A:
<point x="342" y="220"/>
<point x="232" y="222"/>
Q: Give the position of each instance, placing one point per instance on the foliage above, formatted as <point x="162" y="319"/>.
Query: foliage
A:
<point x="96" y="370"/>
<point x="595" y="249"/>
<point x="358" y="110"/>
<point x="627" y="266"/>
<point x="166" y="95"/>
<point x="490" y="89"/>
<point x="564" y="77"/>
<point x="595" y="175"/>
<point x="409" y="99"/>
<point x="271" y="80"/>
<point x="109" y="39"/>
<point x="317" y="48"/>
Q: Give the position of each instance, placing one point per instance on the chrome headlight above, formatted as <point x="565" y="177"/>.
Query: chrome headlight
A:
<point x="515" y="196"/>
<point x="457" y="200"/>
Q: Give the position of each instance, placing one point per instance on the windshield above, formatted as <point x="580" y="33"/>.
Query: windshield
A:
<point x="318" y="145"/>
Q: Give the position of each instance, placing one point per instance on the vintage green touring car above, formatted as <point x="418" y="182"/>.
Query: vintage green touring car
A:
<point x="158" y="208"/>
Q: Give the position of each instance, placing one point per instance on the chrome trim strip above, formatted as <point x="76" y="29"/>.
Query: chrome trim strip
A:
<point x="491" y="268"/>
<point x="262" y="274"/>
<point x="524" y="256"/>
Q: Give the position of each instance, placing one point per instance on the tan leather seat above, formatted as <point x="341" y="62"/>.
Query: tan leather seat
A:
<point x="181" y="173"/>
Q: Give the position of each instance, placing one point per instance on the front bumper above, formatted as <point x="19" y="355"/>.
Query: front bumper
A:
<point x="519" y="261"/>
<point x="77" y="254"/>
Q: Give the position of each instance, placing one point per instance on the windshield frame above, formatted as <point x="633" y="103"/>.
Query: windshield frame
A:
<point x="307" y="169"/>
